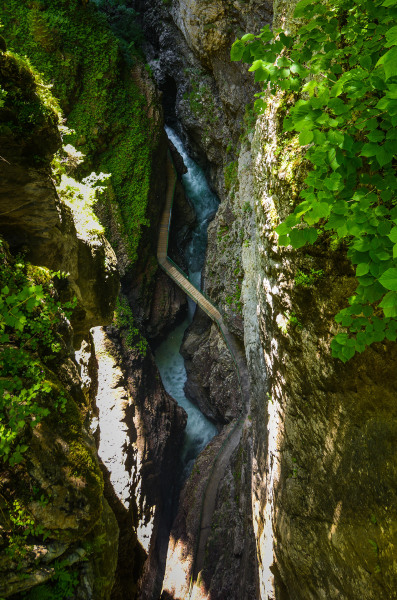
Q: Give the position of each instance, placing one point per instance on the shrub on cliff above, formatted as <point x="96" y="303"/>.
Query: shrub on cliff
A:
<point x="340" y="70"/>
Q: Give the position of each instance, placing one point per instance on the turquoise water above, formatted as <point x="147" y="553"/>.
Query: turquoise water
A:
<point x="199" y="430"/>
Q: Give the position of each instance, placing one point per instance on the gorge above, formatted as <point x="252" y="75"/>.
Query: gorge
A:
<point x="289" y="490"/>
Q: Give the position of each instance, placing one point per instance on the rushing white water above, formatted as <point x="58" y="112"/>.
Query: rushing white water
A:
<point x="205" y="203"/>
<point x="199" y="430"/>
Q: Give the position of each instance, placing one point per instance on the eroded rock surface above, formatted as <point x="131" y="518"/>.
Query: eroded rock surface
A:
<point x="321" y="488"/>
<point x="58" y="487"/>
<point x="34" y="219"/>
<point x="140" y="430"/>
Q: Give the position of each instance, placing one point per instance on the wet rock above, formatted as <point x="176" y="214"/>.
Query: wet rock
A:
<point x="212" y="381"/>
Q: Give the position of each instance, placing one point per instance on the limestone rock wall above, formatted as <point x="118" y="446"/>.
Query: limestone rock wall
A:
<point x="188" y="46"/>
<point x="139" y="431"/>
<point x="324" y="502"/>
<point x="57" y="487"/>
<point x="71" y="495"/>
<point x="33" y="219"/>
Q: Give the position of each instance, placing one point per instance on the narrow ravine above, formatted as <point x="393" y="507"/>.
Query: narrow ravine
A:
<point x="199" y="430"/>
<point x="205" y="204"/>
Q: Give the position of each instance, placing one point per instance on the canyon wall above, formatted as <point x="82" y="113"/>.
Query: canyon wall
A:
<point x="53" y="511"/>
<point x="306" y="508"/>
<point x="323" y="498"/>
<point x="323" y="433"/>
<point x="80" y="502"/>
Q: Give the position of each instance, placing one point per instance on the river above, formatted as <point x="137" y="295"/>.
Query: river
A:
<point x="199" y="430"/>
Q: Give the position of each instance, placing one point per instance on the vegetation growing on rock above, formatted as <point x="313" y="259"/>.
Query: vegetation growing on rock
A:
<point x="51" y="487"/>
<point x="72" y="46"/>
<point x="345" y="115"/>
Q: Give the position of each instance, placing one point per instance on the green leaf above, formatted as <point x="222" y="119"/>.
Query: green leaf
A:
<point x="389" y="279"/>
<point x="367" y="311"/>
<point x="393" y="235"/>
<point x="301" y="7"/>
<point x="237" y="50"/>
<point x="366" y="280"/>
<point x="257" y="64"/>
<point x="362" y="269"/>
<point x="333" y="159"/>
<point x="369" y="150"/>
<point x="283" y="229"/>
<point x="305" y="137"/>
<point x="391" y="36"/>
<point x="283" y="240"/>
<point x="348" y="352"/>
<point x="382" y="255"/>
<point x="382" y="156"/>
<point x="389" y="62"/>
<point x="341" y="338"/>
<point x="247" y="37"/>
<point x="389" y="304"/>
<point x="319" y="211"/>
<point x="260" y="106"/>
<point x="298" y="238"/>
<point x="311" y="235"/>
<point x="283" y="61"/>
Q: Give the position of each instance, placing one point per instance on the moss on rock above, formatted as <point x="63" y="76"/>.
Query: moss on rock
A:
<point x="73" y="47"/>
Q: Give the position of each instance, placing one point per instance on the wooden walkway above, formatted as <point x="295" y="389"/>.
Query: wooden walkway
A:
<point x="162" y="247"/>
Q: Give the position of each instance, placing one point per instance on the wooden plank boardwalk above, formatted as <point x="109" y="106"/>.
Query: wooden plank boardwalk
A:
<point x="162" y="247"/>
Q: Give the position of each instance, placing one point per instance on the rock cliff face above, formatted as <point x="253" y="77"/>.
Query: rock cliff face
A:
<point x="53" y="511"/>
<point x="323" y="460"/>
<point x="188" y="45"/>
<point x="33" y="219"/>
<point x="68" y="504"/>
<point x="139" y="431"/>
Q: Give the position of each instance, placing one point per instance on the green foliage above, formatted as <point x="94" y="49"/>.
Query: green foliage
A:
<point x="62" y="586"/>
<point x="308" y="279"/>
<point x="249" y="121"/>
<point x="201" y="99"/>
<point x="29" y="316"/>
<point x="286" y="320"/>
<point x="3" y="95"/>
<point x="28" y="102"/>
<point x="234" y="300"/>
<point x="122" y="20"/>
<point x="21" y="525"/>
<point x="124" y="320"/>
<point x="74" y="49"/>
<point x="341" y="68"/>
<point x="230" y="174"/>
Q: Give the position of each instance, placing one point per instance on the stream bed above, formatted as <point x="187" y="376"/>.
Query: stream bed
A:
<point x="199" y="430"/>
